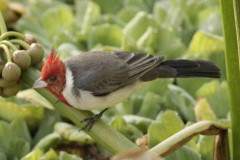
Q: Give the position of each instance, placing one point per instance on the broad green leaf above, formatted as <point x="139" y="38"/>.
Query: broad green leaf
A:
<point x="65" y="156"/>
<point x="57" y="19"/>
<point x="107" y="6"/>
<point x="71" y="133"/>
<point x="217" y="97"/>
<point x="108" y="35"/>
<point x="126" y="129"/>
<point x="91" y="14"/>
<point x="48" y="142"/>
<point x="9" y="110"/>
<point x="150" y="106"/>
<point x="168" y="124"/>
<point x="124" y="108"/>
<point x="34" y="155"/>
<point x="205" y="43"/>
<point x="178" y="99"/>
<point x="203" y="111"/>
<point x="127" y="13"/>
<point x="141" y="123"/>
<point x="145" y="42"/>
<point x="17" y="148"/>
<point x="46" y="125"/>
<point x="3" y="156"/>
<point x="184" y="153"/>
<point x="18" y="128"/>
<point x="34" y="97"/>
<point x="205" y="147"/>
<point x="50" y="155"/>
<point x="138" y="25"/>
<point x="210" y="20"/>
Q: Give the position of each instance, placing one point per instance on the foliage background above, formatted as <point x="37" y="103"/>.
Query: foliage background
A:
<point x="30" y="129"/>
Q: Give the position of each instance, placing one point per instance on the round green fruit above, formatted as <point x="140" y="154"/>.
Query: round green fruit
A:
<point x="29" y="38"/>
<point x="36" y="53"/>
<point x="11" y="72"/>
<point x="11" y="91"/>
<point x="22" y="59"/>
<point x="4" y="83"/>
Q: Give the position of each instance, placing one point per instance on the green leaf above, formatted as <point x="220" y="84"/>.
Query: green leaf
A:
<point x="126" y="129"/>
<point x="71" y="133"/>
<point x="108" y="35"/>
<point x="48" y="142"/>
<point x="17" y="148"/>
<point x="169" y="123"/>
<point x="18" y="128"/>
<point x="141" y="123"/>
<point x="65" y="156"/>
<point x="34" y="97"/>
<point x="150" y="106"/>
<point x="184" y="153"/>
<point x="205" y="43"/>
<point x="57" y="19"/>
<point x="217" y="96"/>
<point x="34" y="155"/>
<point x="127" y="13"/>
<point x="206" y="145"/>
<point x="112" y="6"/>
<point x="3" y="156"/>
<point x="50" y="155"/>
<point x="46" y="125"/>
<point x="203" y="111"/>
<point x="178" y="99"/>
<point x="138" y="25"/>
<point x="91" y="14"/>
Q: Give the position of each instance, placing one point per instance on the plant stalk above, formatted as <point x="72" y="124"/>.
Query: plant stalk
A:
<point x="102" y="133"/>
<point x="3" y="27"/>
<point x="230" y="30"/>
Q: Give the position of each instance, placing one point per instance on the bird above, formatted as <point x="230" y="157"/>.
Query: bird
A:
<point x="97" y="80"/>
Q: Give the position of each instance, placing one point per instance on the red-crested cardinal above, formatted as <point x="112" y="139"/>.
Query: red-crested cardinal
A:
<point x="98" y="80"/>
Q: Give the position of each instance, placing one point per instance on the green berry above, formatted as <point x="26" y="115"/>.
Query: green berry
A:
<point x="11" y="72"/>
<point x="4" y="83"/>
<point x="36" y="53"/>
<point x="30" y="38"/>
<point x="22" y="59"/>
<point x="39" y="65"/>
<point x="11" y="91"/>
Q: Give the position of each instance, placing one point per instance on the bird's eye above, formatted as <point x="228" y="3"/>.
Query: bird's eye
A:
<point x="53" y="78"/>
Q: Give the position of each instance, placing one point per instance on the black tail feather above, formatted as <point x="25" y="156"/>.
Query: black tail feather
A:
<point x="190" y="68"/>
<point x="183" y="69"/>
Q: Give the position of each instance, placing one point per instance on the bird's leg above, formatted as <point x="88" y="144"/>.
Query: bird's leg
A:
<point x="90" y="121"/>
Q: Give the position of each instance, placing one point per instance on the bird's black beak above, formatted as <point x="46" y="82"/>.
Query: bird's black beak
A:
<point x="39" y="84"/>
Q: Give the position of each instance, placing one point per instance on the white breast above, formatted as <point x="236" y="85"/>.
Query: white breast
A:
<point x="86" y="101"/>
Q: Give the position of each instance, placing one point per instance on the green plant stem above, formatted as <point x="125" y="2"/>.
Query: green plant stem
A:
<point x="233" y="74"/>
<point x="9" y="44"/>
<point x="3" y="27"/>
<point x="11" y="33"/>
<point x="180" y="138"/>
<point x="103" y="134"/>
<point x="20" y="42"/>
<point x="7" y="52"/>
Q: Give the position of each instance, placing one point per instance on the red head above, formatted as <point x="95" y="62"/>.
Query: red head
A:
<point x="53" y="76"/>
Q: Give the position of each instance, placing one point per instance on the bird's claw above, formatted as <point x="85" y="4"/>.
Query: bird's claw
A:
<point x="90" y="121"/>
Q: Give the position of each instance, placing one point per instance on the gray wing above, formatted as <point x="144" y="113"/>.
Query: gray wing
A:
<point x="104" y="72"/>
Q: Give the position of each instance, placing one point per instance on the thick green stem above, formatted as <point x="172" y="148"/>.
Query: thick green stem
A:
<point x="20" y="42"/>
<point x="9" y="44"/>
<point x="7" y="52"/>
<point x="103" y="134"/>
<point x="233" y="74"/>
<point x="3" y="27"/>
<point x="11" y="33"/>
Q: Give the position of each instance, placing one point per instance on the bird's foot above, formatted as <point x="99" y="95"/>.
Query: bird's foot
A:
<point x="90" y="121"/>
